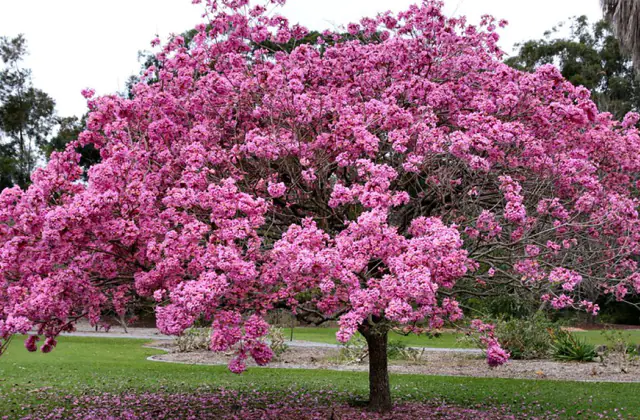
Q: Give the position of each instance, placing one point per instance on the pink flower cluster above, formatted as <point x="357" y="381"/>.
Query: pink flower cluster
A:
<point x="486" y="223"/>
<point x="567" y="278"/>
<point x="496" y="355"/>
<point x="514" y="210"/>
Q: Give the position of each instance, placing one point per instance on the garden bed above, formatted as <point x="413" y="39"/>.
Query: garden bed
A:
<point x="430" y="363"/>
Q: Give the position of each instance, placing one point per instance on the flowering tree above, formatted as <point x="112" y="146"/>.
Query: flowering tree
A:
<point x="368" y="179"/>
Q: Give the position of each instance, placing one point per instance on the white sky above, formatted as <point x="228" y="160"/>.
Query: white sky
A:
<point x="75" y="44"/>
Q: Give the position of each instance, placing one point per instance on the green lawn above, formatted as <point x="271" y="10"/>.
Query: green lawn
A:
<point x="85" y="365"/>
<point x="596" y="337"/>
<point x="445" y="340"/>
<point x="328" y="335"/>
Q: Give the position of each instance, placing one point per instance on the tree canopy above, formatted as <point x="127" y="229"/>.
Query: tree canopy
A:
<point x="372" y="181"/>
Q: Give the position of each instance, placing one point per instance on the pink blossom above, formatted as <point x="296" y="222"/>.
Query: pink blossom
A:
<point x="88" y="93"/>
<point x="486" y="222"/>
<point x="277" y="189"/>
<point x="590" y="307"/>
<point x="255" y="327"/>
<point x="561" y="302"/>
<point x="30" y="343"/>
<point x="532" y="250"/>
<point x="567" y="278"/>
<point x="496" y="355"/>
<point x="261" y="353"/>
<point x="237" y="365"/>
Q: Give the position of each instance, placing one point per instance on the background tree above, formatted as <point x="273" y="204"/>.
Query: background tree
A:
<point x="589" y="56"/>
<point x="371" y="181"/>
<point x="8" y="166"/>
<point x="624" y="16"/>
<point x="69" y="129"/>
<point x="26" y="115"/>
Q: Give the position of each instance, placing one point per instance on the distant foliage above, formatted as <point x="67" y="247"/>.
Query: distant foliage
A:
<point x="589" y="56"/>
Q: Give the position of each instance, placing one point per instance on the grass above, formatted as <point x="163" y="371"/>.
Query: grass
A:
<point x="445" y="340"/>
<point x="87" y="365"/>
<point x="596" y="337"/>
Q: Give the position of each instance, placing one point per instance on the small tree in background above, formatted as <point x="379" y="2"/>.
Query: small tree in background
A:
<point x="372" y="181"/>
<point x="26" y="116"/>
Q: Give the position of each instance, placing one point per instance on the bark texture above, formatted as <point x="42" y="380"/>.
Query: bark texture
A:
<point x="379" y="387"/>
<point x="624" y="17"/>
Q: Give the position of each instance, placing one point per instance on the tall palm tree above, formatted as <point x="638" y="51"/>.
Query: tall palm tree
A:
<point x="624" y="16"/>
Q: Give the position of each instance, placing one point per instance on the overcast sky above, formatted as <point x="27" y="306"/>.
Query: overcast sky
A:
<point x="75" y="44"/>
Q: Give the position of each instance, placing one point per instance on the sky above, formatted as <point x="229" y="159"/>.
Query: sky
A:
<point x="75" y="44"/>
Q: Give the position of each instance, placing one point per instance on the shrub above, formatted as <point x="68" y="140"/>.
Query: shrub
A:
<point x="567" y="347"/>
<point x="354" y="350"/>
<point x="194" y="339"/>
<point x="618" y="341"/>
<point x="412" y="354"/>
<point x="277" y="341"/>
<point x="633" y="350"/>
<point x="395" y="348"/>
<point x="618" y="350"/>
<point x="526" y="338"/>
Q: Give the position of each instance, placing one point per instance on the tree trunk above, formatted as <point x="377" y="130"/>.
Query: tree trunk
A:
<point x="379" y="388"/>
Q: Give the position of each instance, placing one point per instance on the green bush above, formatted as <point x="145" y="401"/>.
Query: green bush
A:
<point x="567" y="347"/>
<point x="618" y="341"/>
<point x="619" y="350"/>
<point x="529" y="338"/>
<point x="633" y="349"/>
